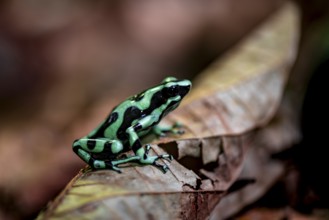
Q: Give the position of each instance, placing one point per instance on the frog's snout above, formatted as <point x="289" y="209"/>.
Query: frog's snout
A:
<point x="184" y="89"/>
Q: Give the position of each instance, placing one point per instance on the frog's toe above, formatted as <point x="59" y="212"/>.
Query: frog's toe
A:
<point x="116" y="169"/>
<point x="167" y="157"/>
<point x="178" y="131"/>
<point x="178" y="125"/>
<point x="113" y="167"/>
<point x="164" y="167"/>
<point x="147" y="148"/>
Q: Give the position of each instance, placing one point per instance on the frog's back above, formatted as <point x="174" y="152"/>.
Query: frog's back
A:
<point x="115" y="125"/>
<point x="127" y="113"/>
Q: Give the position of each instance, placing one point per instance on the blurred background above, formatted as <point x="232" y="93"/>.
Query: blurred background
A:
<point x="65" y="64"/>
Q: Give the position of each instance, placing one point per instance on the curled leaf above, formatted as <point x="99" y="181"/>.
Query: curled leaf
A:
<point x="230" y="100"/>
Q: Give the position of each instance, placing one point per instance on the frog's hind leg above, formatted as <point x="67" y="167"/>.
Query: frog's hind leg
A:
<point x="85" y="148"/>
<point x="138" y="149"/>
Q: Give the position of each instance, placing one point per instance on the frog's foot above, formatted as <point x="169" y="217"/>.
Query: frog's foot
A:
<point x="167" y="157"/>
<point x="163" y="167"/>
<point x="174" y="129"/>
<point x="152" y="160"/>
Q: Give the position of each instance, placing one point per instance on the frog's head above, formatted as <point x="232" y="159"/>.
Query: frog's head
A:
<point x="173" y="87"/>
<point x="173" y="91"/>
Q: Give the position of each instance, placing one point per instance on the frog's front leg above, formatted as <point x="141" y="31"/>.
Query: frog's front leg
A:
<point x="137" y="147"/>
<point x="86" y="148"/>
<point x="161" y="130"/>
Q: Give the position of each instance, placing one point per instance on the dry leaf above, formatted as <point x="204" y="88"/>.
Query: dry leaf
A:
<point x="290" y="214"/>
<point x="235" y="96"/>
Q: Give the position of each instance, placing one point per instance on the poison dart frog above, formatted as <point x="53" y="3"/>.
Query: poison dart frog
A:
<point x="129" y="121"/>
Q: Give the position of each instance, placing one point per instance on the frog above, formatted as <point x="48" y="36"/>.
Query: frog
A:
<point x="130" y="121"/>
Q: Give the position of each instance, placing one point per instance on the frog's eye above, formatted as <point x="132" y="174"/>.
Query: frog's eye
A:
<point x="171" y="91"/>
<point x="169" y="79"/>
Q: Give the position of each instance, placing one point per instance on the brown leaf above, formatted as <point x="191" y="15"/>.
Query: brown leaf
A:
<point x="101" y="194"/>
<point x="261" y="213"/>
<point x="235" y="96"/>
<point x="280" y="133"/>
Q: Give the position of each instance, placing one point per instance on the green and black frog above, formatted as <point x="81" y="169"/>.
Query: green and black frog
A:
<point x="129" y="121"/>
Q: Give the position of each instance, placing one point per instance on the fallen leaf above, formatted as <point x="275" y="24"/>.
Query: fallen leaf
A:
<point x="236" y="96"/>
